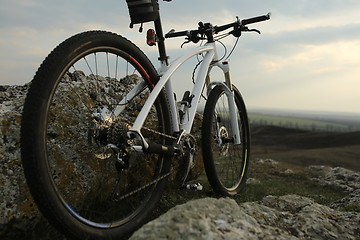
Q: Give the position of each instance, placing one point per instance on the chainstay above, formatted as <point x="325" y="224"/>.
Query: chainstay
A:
<point x="152" y="130"/>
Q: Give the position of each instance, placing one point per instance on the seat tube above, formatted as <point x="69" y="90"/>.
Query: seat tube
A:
<point x="163" y="59"/>
<point x="172" y="104"/>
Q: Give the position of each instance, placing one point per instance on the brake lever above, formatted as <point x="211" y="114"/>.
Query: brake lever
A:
<point x="253" y="30"/>
<point x="188" y="41"/>
<point x="237" y="31"/>
<point x="192" y="38"/>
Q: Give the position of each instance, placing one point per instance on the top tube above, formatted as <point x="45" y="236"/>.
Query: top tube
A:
<point x="163" y="80"/>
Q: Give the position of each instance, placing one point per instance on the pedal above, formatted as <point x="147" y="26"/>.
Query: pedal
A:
<point x="192" y="186"/>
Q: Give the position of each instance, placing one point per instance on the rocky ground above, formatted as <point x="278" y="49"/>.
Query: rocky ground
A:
<point x="16" y="206"/>
<point x="274" y="217"/>
<point x="285" y="217"/>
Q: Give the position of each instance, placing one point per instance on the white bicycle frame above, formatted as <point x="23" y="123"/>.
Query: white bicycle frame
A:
<point x="210" y="60"/>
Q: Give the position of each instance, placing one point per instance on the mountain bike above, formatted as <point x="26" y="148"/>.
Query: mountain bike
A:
<point x="102" y="130"/>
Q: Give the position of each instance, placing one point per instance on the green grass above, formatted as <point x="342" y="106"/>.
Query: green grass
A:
<point x="351" y="208"/>
<point x="272" y="180"/>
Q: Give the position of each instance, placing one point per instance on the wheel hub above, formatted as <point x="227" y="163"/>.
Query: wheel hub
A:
<point x="221" y="143"/>
<point x="111" y="135"/>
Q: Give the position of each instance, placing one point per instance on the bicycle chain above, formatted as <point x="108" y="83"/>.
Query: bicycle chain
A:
<point x="152" y="130"/>
<point x="159" y="133"/>
<point x="155" y="180"/>
<point x="146" y="186"/>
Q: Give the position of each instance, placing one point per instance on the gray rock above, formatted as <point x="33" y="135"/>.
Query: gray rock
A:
<point x="209" y="219"/>
<point x="349" y="203"/>
<point x="338" y="177"/>
<point x="306" y="219"/>
<point x="15" y="200"/>
<point x="286" y="217"/>
<point x="268" y="161"/>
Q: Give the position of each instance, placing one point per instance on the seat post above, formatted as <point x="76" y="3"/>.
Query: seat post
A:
<point x="161" y="41"/>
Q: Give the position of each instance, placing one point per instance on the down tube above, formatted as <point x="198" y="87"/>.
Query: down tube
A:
<point x="164" y="79"/>
<point x="198" y="88"/>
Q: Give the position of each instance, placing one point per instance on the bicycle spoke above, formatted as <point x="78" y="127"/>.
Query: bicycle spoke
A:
<point x="81" y="93"/>
<point x="108" y="67"/>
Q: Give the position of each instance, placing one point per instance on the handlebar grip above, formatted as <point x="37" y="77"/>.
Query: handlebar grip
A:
<point x="176" y="34"/>
<point x="255" y="19"/>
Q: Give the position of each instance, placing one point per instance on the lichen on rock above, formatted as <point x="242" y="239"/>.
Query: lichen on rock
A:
<point x="285" y="217"/>
<point x="16" y="205"/>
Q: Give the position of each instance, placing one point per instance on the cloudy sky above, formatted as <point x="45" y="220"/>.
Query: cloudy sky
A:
<point x="307" y="57"/>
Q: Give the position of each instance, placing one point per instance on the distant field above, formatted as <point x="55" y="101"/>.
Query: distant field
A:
<point x="306" y="123"/>
<point x="303" y="148"/>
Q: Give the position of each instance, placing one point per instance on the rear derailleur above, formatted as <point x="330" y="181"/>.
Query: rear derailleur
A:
<point x="188" y="156"/>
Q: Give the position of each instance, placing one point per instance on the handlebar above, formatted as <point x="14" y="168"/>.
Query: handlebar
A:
<point x="208" y="30"/>
<point x="173" y="34"/>
<point x="255" y="19"/>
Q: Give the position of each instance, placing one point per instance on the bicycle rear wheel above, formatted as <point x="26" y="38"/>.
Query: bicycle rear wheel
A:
<point x="77" y="159"/>
<point x="226" y="163"/>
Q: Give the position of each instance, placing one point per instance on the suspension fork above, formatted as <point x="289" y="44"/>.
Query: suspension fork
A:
<point x="230" y="93"/>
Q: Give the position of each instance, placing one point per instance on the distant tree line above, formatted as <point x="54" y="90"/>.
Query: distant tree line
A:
<point x="311" y="127"/>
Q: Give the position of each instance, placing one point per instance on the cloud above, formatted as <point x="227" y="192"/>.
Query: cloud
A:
<point x="319" y="35"/>
<point x="314" y="77"/>
<point x="307" y="48"/>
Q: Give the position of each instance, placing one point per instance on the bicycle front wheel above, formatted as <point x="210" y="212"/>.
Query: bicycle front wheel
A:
<point x="226" y="163"/>
<point x="77" y="158"/>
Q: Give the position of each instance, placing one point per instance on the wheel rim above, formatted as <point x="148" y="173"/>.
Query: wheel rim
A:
<point x="85" y="176"/>
<point x="229" y="159"/>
